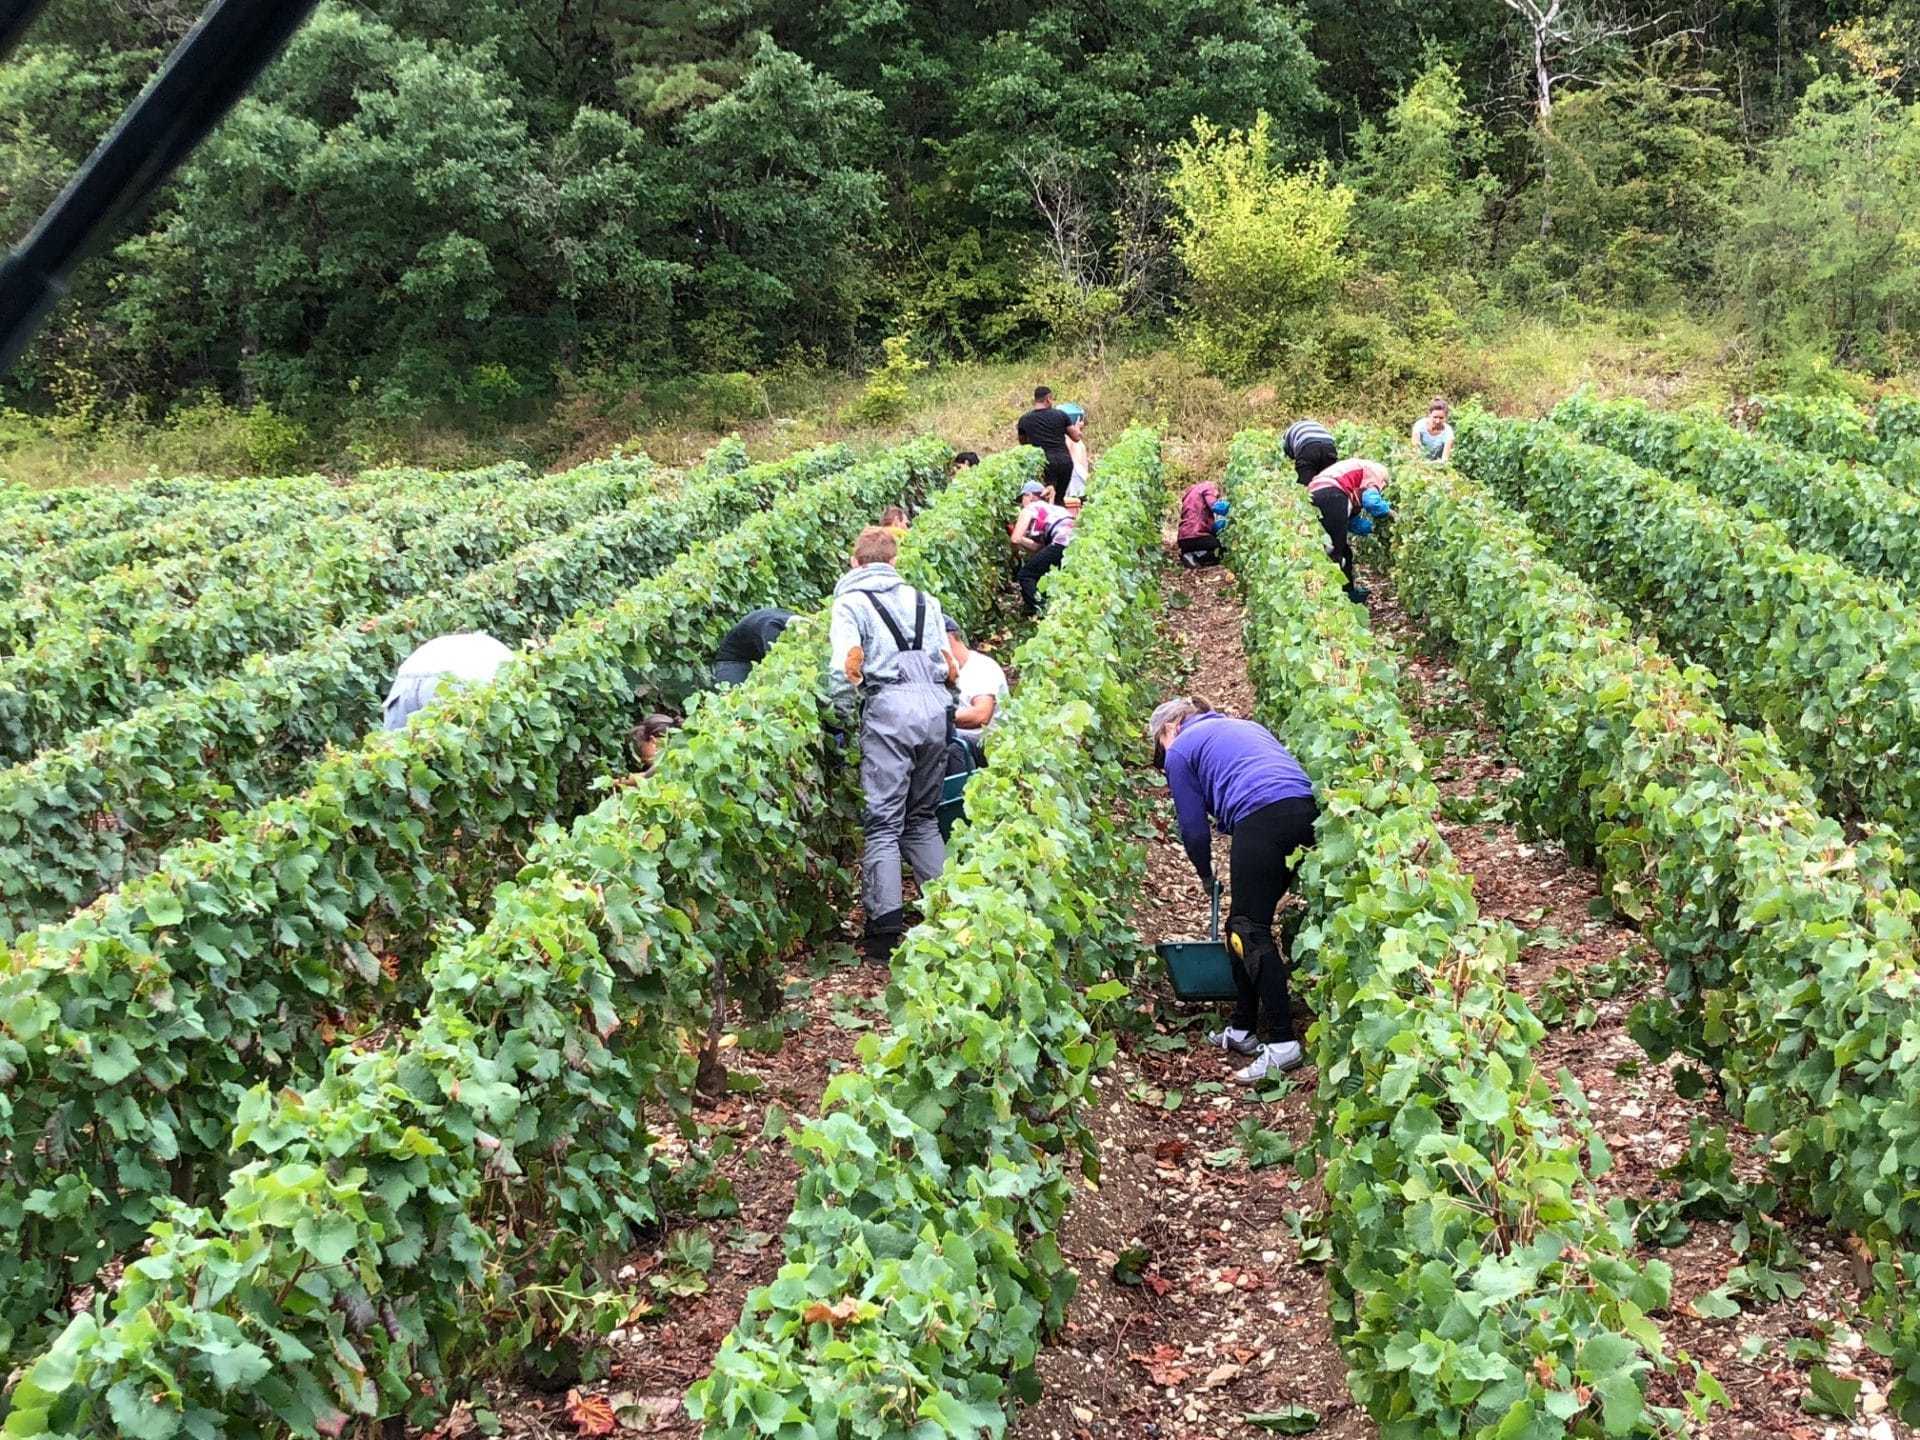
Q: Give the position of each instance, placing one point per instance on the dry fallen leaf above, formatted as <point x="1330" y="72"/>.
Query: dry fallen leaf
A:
<point x="590" y="1414"/>
<point x="645" y="1414"/>
<point x="1218" y="1376"/>
<point x="457" y="1425"/>
<point x="1162" y="1364"/>
<point x="834" y="1315"/>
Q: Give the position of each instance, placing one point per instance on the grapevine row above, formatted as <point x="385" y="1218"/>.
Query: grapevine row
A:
<point x="358" y="538"/>
<point x="191" y="528"/>
<point x="77" y="820"/>
<point x="1479" y="1287"/>
<point x="599" y="953"/>
<point x="1852" y="513"/>
<point x="79" y="673"/>
<point x="1827" y="658"/>
<point x="1835" y="428"/>
<point x="55" y="517"/>
<point x="1789" y="950"/>
<point x="922" y="1264"/>
<point x="241" y="958"/>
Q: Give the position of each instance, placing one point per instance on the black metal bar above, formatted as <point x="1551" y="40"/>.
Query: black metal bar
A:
<point x="211" y="68"/>
<point x="15" y="17"/>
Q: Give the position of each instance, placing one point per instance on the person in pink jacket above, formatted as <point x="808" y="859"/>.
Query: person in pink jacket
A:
<point x="1348" y="495"/>
<point x="1198" y="537"/>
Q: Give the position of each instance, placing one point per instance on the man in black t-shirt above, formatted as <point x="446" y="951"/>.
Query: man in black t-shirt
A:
<point x="1046" y="428"/>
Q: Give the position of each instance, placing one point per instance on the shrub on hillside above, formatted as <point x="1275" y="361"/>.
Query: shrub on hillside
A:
<point x="1262" y="245"/>
<point x="884" y="401"/>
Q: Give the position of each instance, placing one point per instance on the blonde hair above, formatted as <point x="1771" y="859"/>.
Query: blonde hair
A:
<point x="877" y="545"/>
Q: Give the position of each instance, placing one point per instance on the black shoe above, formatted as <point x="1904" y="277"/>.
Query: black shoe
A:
<point x="1358" y="594"/>
<point x="883" y="936"/>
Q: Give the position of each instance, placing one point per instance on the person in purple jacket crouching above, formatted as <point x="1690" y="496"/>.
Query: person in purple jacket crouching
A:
<point x="1236" y="772"/>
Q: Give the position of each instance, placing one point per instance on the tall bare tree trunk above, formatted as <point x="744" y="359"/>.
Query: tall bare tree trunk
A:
<point x="1543" y="91"/>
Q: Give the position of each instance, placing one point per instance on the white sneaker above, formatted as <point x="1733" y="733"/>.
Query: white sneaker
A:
<point x="1237" y="1042"/>
<point x="1272" y="1059"/>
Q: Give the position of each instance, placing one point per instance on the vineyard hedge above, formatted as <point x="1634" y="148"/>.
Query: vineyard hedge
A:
<point x="1889" y="441"/>
<point x="244" y="957"/>
<point x="82" y="669"/>
<point x="1849" y="512"/>
<point x="41" y="518"/>
<point x="340" y="553"/>
<point x="934" y="1179"/>
<point x="1829" y="427"/>
<point x="189" y="529"/>
<point x="98" y="811"/>
<point x="1790" y="951"/>
<point x="1827" y="658"/>
<point x="1478" y="1288"/>
<point x="598" y="954"/>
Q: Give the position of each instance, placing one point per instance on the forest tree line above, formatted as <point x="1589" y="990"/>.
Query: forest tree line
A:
<point x="435" y="204"/>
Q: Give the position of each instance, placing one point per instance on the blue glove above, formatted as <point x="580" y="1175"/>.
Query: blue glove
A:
<point x="1375" y="504"/>
<point x="1220" y="527"/>
<point x="1360" y="525"/>
<point x="1219" y="507"/>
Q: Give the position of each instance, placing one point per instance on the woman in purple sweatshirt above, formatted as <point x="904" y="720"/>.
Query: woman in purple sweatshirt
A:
<point x="1236" y="772"/>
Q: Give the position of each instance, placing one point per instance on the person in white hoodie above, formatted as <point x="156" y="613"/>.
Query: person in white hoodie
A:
<point x="471" y="657"/>
<point x="891" y="664"/>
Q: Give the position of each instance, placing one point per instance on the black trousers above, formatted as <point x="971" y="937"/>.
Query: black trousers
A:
<point x="1207" y="547"/>
<point x="964" y="757"/>
<point x="1038" y="564"/>
<point x="1313" y="457"/>
<point x="1335" y="512"/>
<point x="1265" y="855"/>
<point x="1059" y="475"/>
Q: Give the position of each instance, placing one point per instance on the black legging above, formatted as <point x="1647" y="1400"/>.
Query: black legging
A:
<point x="1266" y="846"/>
<point x="1038" y="564"/>
<point x="1059" y="475"/>
<point x="1313" y="457"/>
<point x="1207" y="547"/>
<point x="1336" y="512"/>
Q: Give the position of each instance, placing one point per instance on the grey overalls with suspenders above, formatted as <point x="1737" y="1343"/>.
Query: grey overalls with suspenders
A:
<point x="904" y="726"/>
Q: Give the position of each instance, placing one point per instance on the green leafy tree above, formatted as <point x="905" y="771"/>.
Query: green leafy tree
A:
<point x="362" y="206"/>
<point x="1821" y="246"/>
<point x="1643" y="171"/>
<point x="381" y="212"/>
<point x="1102" y="83"/>
<point x="789" y="206"/>
<point x="1420" y="192"/>
<point x="1262" y="245"/>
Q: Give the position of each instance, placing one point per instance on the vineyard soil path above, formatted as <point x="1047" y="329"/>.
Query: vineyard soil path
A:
<point x="652" y="1362"/>
<point x="1227" y="1319"/>
<point x="1572" y="942"/>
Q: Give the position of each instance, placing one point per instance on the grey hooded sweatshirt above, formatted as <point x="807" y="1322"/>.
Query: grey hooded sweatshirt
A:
<point x="856" y="627"/>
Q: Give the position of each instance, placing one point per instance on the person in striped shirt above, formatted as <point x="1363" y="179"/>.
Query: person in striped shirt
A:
<point x="1309" y="444"/>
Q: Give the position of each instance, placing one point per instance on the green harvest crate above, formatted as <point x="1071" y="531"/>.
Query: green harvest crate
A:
<point x="1200" y="969"/>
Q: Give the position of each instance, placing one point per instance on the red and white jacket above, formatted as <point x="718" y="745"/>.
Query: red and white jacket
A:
<point x="1353" y="476"/>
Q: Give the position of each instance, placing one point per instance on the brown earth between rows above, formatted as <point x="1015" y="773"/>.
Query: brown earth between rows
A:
<point x="1226" y="1318"/>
